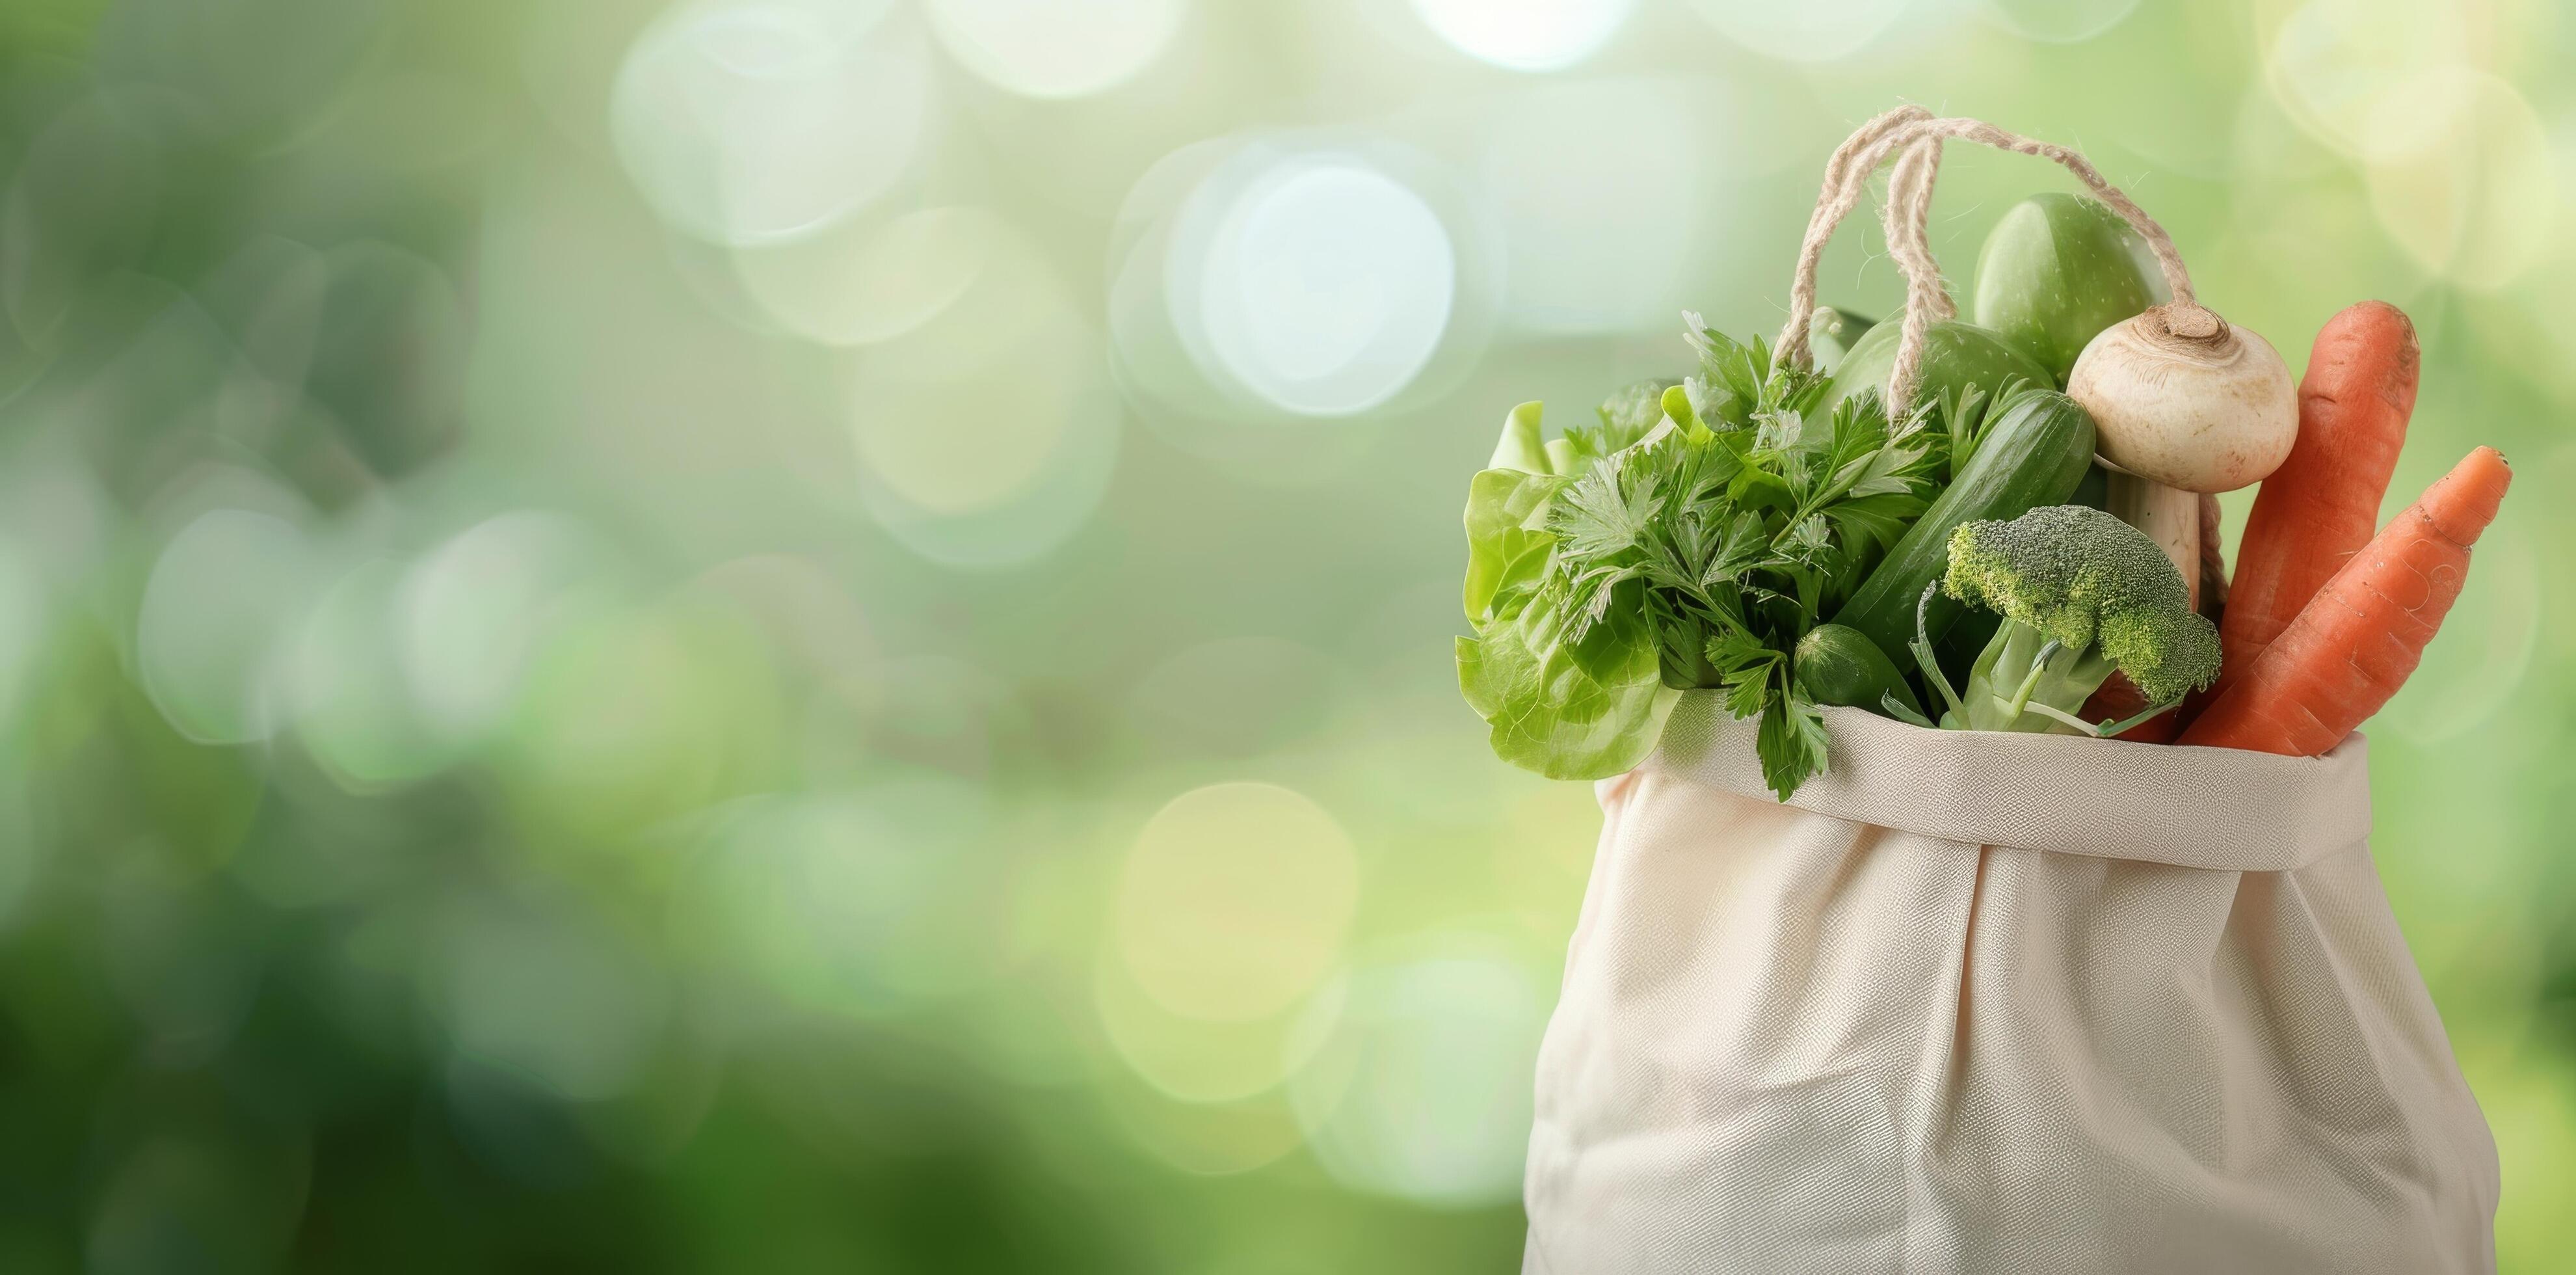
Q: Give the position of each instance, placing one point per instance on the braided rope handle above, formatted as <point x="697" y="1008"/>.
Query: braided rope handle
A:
<point x="1842" y="189"/>
<point x="1906" y="217"/>
<point x="1914" y="136"/>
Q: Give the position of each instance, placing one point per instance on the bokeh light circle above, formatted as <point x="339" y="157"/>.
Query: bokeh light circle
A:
<point x="631" y="718"/>
<point x="1420" y="1089"/>
<point x="469" y="615"/>
<point x="986" y="431"/>
<point x="994" y="500"/>
<point x="946" y="451"/>
<point x="1526" y="35"/>
<point x="1192" y="1058"/>
<point x="1056" y="48"/>
<point x="2060" y="21"/>
<point x="2332" y="64"/>
<point x="1231" y="354"/>
<point x="2472" y="193"/>
<point x="755" y="121"/>
<point x="866" y="283"/>
<point x="1807" y="31"/>
<point x="1235" y="900"/>
<point x="218" y="604"/>
<point x="1325" y="288"/>
<point x="353" y="705"/>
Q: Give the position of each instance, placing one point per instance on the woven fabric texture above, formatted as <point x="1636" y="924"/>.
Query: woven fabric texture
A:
<point x="1981" y="1002"/>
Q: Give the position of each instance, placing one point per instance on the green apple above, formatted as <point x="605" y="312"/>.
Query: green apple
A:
<point x="2055" y="271"/>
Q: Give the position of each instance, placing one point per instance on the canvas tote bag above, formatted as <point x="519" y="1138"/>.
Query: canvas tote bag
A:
<point x="1977" y="1001"/>
<point x="1984" y="1001"/>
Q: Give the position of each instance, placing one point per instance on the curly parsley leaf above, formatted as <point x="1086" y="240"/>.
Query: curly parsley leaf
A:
<point x="1626" y="416"/>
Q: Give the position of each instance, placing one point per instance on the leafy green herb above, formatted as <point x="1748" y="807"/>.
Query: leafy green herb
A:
<point x="1710" y="540"/>
<point x="1626" y="416"/>
<point x="1791" y="742"/>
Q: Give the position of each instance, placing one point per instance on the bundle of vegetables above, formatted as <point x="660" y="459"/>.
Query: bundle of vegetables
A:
<point x="2022" y="507"/>
<point x="1691" y="548"/>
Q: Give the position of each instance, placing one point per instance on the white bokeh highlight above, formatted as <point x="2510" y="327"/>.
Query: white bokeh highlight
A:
<point x="1808" y="31"/>
<point x="220" y="602"/>
<point x="1526" y="35"/>
<point x="1326" y="287"/>
<point x="758" y="121"/>
<point x="1056" y="48"/>
<point x="468" y="616"/>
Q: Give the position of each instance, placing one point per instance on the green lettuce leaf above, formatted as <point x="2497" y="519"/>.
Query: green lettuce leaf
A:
<point x="1519" y="447"/>
<point x="1562" y="713"/>
<point x="1507" y="540"/>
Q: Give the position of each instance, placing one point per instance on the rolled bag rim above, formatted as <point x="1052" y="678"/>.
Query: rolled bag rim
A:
<point x="2223" y="809"/>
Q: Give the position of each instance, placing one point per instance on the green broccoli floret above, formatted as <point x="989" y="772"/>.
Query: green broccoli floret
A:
<point x="2081" y="593"/>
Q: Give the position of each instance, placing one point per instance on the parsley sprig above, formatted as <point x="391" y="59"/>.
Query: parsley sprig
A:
<point x="1737" y="523"/>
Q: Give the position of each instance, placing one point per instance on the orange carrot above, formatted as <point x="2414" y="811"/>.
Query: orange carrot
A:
<point x="2319" y="508"/>
<point x="2354" y="643"/>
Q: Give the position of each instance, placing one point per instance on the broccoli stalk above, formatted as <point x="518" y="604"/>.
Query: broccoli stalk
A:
<point x="2081" y="593"/>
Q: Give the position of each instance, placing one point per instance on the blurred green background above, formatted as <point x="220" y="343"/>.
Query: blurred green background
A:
<point x="813" y="635"/>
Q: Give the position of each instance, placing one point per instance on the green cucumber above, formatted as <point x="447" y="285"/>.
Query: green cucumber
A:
<point x="1836" y="665"/>
<point x="2035" y="451"/>
<point x="2055" y="271"/>
<point x="1955" y="355"/>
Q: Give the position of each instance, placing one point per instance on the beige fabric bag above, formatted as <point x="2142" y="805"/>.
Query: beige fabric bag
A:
<point x="1996" y="1002"/>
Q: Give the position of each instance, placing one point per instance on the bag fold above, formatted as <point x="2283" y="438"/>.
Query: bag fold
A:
<point x="1996" y="1002"/>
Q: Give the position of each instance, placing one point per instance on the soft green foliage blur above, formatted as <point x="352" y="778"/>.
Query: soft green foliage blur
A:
<point x="677" y="638"/>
